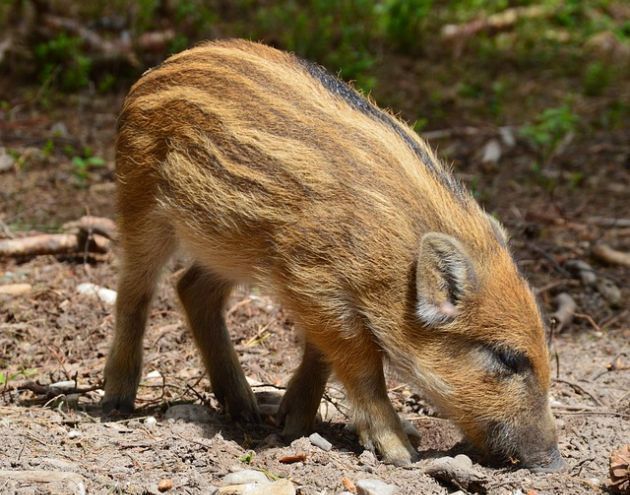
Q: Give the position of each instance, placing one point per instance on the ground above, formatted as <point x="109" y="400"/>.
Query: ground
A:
<point x="54" y="334"/>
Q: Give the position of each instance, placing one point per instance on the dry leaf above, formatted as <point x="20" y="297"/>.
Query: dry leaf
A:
<point x="620" y="470"/>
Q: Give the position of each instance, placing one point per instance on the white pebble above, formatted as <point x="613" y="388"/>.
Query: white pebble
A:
<point x="245" y="476"/>
<point x="150" y="422"/>
<point x="374" y="487"/>
<point x="74" y="434"/>
<point x="319" y="441"/>
<point x="463" y="460"/>
<point x="108" y="296"/>
<point x="491" y="152"/>
<point x="153" y="374"/>
<point x="190" y="413"/>
<point x="63" y="386"/>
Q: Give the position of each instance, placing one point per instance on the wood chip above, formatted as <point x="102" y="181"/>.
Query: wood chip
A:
<point x="165" y="485"/>
<point x="349" y="485"/>
<point x="15" y="289"/>
<point x="291" y="459"/>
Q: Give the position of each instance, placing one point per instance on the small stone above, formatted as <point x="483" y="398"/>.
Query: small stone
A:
<point x="246" y="489"/>
<point x="190" y="413"/>
<point x="583" y="270"/>
<point x="457" y="470"/>
<point x="374" y="487"/>
<point x="463" y="460"/>
<point x="491" y="152"/>
<point x="319" y="441"/>
<point x="152" y="375"/>
<point x="245" y="476"/>
<point x="367" y="458"/>
<point x="59" y="129"/>
<point x="74" y="434"/>
<point x="62" y="386"/>
<point x="609" y="291"/>
<point x="6" y="160"/>
<point x="165" y="485"/>
<point x="150" y="422"/>
<point x="507" y="136"/>
<point x="280" y="487"/>
<point x="108" y="296"/>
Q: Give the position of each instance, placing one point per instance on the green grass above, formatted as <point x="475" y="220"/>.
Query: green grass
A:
<point x="356" y="38"/>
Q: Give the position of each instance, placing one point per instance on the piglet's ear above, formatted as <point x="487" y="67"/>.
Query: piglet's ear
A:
<point x="444" y="275"/>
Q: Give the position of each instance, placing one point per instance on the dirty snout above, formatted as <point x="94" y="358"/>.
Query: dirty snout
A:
<point x="533" y="445"/>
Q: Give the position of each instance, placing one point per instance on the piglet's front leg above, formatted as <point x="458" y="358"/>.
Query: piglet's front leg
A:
<point x="360" y="369"/>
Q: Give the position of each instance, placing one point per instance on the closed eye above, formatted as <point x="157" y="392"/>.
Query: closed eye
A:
<point x="512" y="360"/>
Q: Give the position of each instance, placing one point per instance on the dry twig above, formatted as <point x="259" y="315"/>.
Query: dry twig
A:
<point x="605" y="253"/>
<point x="495" y="23"/>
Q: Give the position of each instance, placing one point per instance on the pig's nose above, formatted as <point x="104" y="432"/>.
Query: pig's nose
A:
<point x="548" y="462"/>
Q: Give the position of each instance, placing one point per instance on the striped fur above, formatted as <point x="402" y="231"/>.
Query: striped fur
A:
<point x="266" y="169"/>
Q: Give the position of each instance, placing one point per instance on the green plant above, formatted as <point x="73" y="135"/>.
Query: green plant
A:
<point x="7" y="377"/>
<point x="550" y="128"/>
<point x="107" y="82"/>
<point x="248" y="457"/>
<point x="337" y="34"/>
<point x="597" y="77"/>
<point x="48" y="148"/>
<point x="62" y="63"/>
<point x="83" y="163"/>
<point x="403" y="20"/>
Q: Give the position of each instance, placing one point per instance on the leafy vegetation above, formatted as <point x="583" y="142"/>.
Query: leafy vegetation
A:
<point x="485" y="76"/>
<point x="550" y="128"/>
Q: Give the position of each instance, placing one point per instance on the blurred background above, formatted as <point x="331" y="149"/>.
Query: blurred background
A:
<point x="559" y="64"/>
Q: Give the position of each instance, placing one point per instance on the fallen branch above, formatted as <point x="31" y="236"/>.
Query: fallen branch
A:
<point x="610" y="255"/>
<point x="92" y="225"/>
<point x="494" y="23"/>
<point x="53" y="244"/>
<point x="15" y="289"/>
<point x="609" y="222"/>
<point x="87" y="235"/>
<point x="109" y="49"/>
<point x="121" y="48"/>
<point x="39" y="244"/>
<point x="565" y="312"/>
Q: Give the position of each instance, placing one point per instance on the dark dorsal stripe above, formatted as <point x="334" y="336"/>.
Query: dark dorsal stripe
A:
<point x="358" y="102"/>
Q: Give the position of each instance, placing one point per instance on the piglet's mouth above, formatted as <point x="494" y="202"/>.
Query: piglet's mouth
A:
<point x="547" y="462"/>
<point x="544" y="462"/>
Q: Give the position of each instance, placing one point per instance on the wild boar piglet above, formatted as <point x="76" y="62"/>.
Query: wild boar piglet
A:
<point x="266" y="169"/>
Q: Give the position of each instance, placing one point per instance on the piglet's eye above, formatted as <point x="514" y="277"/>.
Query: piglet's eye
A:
<point x="511" y="360"/>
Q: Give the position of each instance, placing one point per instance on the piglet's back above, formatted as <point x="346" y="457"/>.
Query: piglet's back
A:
<point x="254" y="151"/>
